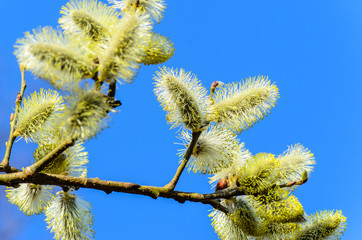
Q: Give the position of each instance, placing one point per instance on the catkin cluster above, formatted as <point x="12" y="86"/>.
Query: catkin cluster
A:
<point x="268" y="211"/>
<point x="96" y="47"/>
<point x="99" y="46"/>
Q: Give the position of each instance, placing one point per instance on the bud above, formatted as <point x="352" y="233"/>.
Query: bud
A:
<point x="304" y="176"/>
<point x="232" y="171"/>
<point x="222" y="184"/>
<point x="11" y="117"/>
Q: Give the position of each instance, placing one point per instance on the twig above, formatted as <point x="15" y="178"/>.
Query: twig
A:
<point x="9" y="169"/>
<point x="97" y="82"/>
<point x="12" y="179"/>
<point x="172" y="184"/>
<point x="217" y="205"/>
<point x="112" y="89"/>
<point x="112" y="186"/>
<point x="42" y="163"/>
<point x="4" y="165"/>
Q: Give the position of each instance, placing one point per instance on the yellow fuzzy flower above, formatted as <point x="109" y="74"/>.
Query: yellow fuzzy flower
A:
<point x="239" y="105"/>
<point x="182" y="97"/>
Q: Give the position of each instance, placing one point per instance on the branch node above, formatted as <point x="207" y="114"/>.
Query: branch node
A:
<point x="19" y="97"/>
<point x="28" y="172"/>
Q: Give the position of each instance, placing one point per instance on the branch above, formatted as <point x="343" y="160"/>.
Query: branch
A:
<point x="108" y="187"/>
<point x="42" y="163"/>
<point x="96" y="79"/>
<point x="13" y="179"/>
<point x="9" y="169"/>
<point x="172" y="184"/>
<point x="112" y="89"/>
<point x="4" y="165"/>
<point x="217" y="205"/>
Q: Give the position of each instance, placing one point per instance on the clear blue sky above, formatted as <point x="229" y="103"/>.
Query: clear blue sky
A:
<point x="311" y="49"/>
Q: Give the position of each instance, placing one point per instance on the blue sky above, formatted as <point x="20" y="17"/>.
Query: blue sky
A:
<point x="312" y="50"/>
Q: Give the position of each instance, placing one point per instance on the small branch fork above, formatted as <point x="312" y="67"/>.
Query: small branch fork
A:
<point x="32" y="174"/>
<point x="172" y="184"/>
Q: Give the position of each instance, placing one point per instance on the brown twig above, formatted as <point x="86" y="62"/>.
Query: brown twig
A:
<point x="172" y="184"/>
<point x="112" y="89"/>
<point x="4" y="165"/>
<point x="213" y="199"/>
<point x="42" y="163"/>
<point x="112" y="186"/>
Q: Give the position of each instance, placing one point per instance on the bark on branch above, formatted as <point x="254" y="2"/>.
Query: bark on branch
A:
<point x="13" y="179"/>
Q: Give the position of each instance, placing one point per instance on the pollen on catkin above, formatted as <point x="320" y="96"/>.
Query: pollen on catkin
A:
<point x="239" y="105"/>
<point x="154" y="8"/>
<point x="182" y="97"/>
<point x="159" y="50"/>
<point x="51" y="56"/>
<point x="37" y="109"/>
<point x="225" y="228"/>
<point x="30" y="198"/>
<point x="88" y="19"/>
<point x="279" y="206"/>
<point x="215" y="149"/>
<point x="69" y="217"/>
<point x="84" y="115"/>
<point x="293" y="162"/>
<point x="124" y="52"/>
<point x="322" y="226"/>
<point x="243" y="214"/>
<point x="280" y="231"/>
<point x="259" y="173"/>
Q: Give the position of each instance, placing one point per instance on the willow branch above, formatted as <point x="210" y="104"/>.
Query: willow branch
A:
<point x="9" y="169"/>
<point x="213" y="199"/>
<point x="216" y="204"/>
<point x="172" y="184"/>
<point x="112" y="89"/>
<point x="12" y="179"/>
<point x="42" y="163"/>
<point x="4" y="165"/>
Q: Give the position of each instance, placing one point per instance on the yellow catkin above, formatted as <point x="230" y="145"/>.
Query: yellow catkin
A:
<point x="240" y="105"/>
<point x="323" y="225"/>
<point x="159" y="50"/>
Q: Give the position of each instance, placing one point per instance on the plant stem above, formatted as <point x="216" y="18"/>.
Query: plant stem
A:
<point x="4" y="165"/>
<point x="12" y="179"/>
<point x="172" y="184"/>
<point x="42" y="163"/>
